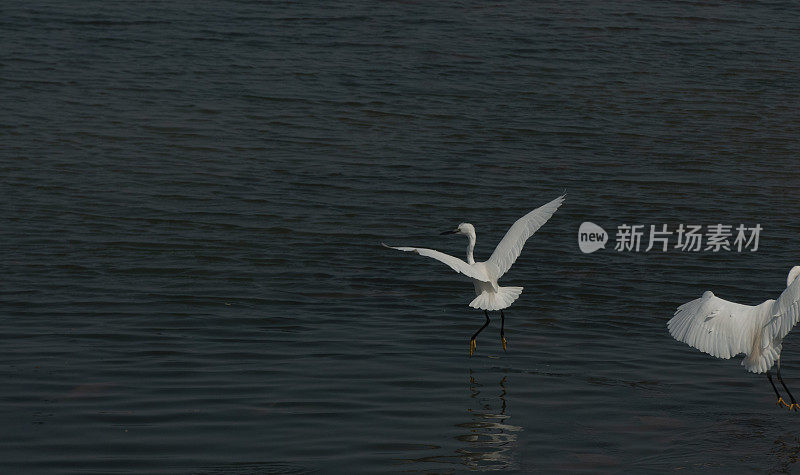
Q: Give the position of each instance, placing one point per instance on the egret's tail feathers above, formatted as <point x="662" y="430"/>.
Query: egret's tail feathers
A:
<point x="762" y="359"/>
<point x="499" y="300"/>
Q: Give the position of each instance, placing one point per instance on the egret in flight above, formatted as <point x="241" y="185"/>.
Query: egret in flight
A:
<point x="724" y="329"/>
<point x="484" y="275"/>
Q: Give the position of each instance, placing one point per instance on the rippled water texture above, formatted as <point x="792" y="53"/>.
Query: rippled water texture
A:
<point x="194" y="193"/>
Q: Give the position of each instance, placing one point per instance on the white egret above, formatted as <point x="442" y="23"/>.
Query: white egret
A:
<point x="484" y="275"/>
<point x="724" y="329"/>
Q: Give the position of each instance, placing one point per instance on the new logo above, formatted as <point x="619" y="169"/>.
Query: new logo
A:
<point x="591" y="237"/>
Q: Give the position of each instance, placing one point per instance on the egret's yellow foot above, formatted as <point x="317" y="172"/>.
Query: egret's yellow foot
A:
<point x="472" y="346"/>
<point x="794" y="406"/>
<point x="505" y="343"/>
<point x="782" y="403"/>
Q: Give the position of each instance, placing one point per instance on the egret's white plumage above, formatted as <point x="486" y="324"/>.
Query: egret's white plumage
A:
<point x="485" y="275"/>
<point x="724" y="329"/>
<point x="454" y="262"/>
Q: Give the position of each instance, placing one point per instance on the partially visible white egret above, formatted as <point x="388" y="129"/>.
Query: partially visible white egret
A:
<point x="724" y="329"/>
<point x="484" y="275"/>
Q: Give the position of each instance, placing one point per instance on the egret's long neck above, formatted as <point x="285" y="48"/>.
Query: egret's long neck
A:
<point x="470" y="247"/>
<point x="792" y="275"/>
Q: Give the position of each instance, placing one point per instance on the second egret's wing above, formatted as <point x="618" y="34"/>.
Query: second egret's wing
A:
<point x="510" y="246"/>
<point x="785" y="312"/>
<point x="716" y="326"/>
<point x="454" y="262"/>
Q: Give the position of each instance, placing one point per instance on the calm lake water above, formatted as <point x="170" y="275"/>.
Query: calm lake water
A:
<point x="194" y="193"/>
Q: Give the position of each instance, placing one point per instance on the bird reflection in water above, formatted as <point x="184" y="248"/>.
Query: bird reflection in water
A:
<point x="491" y="442"/>
<point x="786" y="451"/>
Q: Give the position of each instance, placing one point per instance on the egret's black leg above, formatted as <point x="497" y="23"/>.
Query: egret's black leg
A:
<point x="472" y="344"/>
<point x="777" y="394"/>
<point x="502" y="333"/>
<point x="794" y="406"/>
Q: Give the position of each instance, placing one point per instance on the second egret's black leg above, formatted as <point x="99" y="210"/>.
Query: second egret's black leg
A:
<point x="777" y="394"/>
<point x="794" y="406"/>
<point x="472" y="344"/>
<point x="502" y="333"/>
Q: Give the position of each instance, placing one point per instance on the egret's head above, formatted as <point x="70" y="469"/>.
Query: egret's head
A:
<point x="792" y="275"/>
<point x="463" y="228"/>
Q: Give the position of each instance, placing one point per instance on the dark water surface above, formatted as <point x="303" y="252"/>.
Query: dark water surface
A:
<point x="194" y="193"/>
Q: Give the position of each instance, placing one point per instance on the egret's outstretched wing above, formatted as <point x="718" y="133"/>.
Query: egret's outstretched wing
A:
<point x="454" y="262"/>
<point x="716" y="326"/>
<point x="785" y="312"/>
<point x="510" y="246"/>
